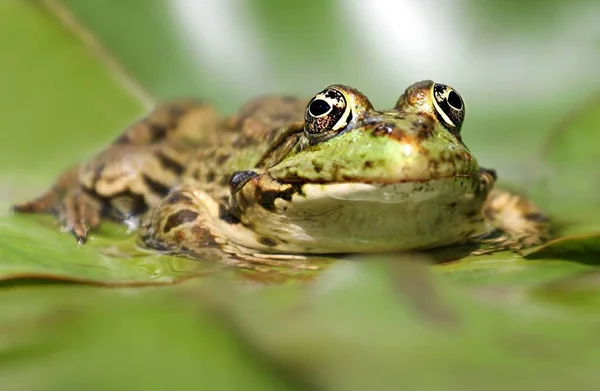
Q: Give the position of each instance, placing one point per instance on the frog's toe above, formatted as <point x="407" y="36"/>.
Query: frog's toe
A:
<point x="45" y="203"/>
<point x="35" y="206"/>
<point x="78" y="213"/>
<point x="79" y="230"/>
<point x="76" y="210"/>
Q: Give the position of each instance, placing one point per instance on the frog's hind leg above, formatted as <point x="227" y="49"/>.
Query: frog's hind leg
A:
<point x="517" y="223"/>
<point x="130" y="175"/>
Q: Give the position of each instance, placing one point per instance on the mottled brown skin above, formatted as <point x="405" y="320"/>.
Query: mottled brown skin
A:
<point x="183" y="141"/>
<point x="519" y="223"/>
<point x="188" y="166"/>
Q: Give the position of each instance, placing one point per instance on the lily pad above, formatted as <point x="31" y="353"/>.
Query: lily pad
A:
<point x="567" y="180"/>
<point x="80" y="338"/>
<point x="45" y="252"/>
<point x="391" y="322"/>
<point x="93" y="34"/>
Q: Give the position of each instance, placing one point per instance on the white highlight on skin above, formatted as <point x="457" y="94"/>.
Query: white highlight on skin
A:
<point x="223" y="40"/>
<point x="389" y="194"/>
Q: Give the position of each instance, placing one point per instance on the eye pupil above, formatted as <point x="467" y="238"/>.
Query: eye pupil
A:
<point x="454" y="100"/>
<point x="319" y="107"/>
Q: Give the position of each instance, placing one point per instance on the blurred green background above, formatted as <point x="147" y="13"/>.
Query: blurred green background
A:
<point x="74" y="73"/>
<point x="520" y="66"/>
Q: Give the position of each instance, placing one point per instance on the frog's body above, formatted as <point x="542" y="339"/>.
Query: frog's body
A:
<point x="282" y="177"/>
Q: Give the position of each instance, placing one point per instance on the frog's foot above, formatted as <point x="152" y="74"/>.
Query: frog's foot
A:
<point x="517" y="223"/>
<point x="76" y="210"/>
<point x="179" y="225"/>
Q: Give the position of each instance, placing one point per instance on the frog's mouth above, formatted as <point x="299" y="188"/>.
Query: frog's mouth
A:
<point x="272" y="195"/>
<point x="299" y="181"/>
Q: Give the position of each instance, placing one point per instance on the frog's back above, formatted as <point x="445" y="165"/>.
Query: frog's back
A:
<point x="239" y="141"/>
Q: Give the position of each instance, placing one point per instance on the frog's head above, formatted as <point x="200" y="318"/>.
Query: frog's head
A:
<point x="346" y="140"/>
<point x="350" y="158"/>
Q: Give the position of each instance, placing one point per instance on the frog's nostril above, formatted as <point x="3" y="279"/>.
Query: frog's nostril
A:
<point x="239" y="179"/>
<point x="383" y="129"/>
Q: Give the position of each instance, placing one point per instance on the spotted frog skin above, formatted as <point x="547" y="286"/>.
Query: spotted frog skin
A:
<point x="286" y="176"/>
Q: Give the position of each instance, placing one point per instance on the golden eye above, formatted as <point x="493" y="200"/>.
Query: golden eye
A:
<point x="327" y="114"/>
<point x="449" y="106"/>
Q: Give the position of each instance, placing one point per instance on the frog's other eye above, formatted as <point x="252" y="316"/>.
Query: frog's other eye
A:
<point x="449" y="106"/>
<point x="327" y="114"/>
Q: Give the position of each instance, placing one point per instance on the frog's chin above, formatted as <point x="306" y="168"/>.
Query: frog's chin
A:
<point x="360" y="217"/>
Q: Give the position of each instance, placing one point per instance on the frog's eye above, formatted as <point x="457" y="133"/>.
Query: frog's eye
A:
<point x="327" y="114"/>
<point x="449" y="106"/>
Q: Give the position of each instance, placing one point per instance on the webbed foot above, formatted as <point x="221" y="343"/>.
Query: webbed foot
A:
<point x="76" y="210"/>
<point x="518" y="224"/>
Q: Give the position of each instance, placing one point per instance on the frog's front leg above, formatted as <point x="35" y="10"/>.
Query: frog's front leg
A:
<point x="179" y="223"/>
<point x="190" y="222"/>
<point x="132" y="174"/>
<point x="516" y="221"/>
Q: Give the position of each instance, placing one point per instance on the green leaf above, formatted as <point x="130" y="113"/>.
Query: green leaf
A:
<point x="78" y="338"/>
<point x="34" y="247"/>
<point x="585" y="248"/>
<point x="568" y="179"/>
<point x="45" y="252"/>
<point x="392" y="323"/>
<point x="59" y="102"/>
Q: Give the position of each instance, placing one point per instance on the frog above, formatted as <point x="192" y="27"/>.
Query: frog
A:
<point x="291" y="177"/>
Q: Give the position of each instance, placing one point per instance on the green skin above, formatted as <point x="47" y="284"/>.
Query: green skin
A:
<point x="283" y="177"/>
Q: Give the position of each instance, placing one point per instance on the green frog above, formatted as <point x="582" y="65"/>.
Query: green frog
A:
<point x="285" y="177"/>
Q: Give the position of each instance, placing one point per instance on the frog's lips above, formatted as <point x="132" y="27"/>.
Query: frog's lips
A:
<point x="420" y="171"/>
<point x="379" y="181"/>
